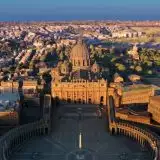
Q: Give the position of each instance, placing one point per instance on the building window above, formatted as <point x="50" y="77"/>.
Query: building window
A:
<point x="79" y="101"/>
<point x="101" y="99"/>
<point x="83" y="62"/>
<point x="89" y="101"/>
<point x="69" y="100"/>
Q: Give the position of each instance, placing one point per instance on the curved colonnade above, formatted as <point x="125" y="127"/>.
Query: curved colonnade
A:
<point x="10" y="142"/>
<point x="145" y="137"/>
<point x="13" y="139"/>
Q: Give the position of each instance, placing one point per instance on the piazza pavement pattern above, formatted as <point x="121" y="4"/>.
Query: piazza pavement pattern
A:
<point x="97" y="143"/>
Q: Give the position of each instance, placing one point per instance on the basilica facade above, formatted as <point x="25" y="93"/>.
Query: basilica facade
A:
<point x="79" y="80"/>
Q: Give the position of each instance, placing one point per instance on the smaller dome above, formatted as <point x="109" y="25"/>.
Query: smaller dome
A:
<point x="64" y="68"/>
<point x="95" y="67"/>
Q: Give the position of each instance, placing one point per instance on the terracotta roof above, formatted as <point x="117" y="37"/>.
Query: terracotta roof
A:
<point x="155" y="99"/>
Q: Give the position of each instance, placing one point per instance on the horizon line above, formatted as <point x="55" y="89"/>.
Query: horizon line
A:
<point x="74" y="20"/>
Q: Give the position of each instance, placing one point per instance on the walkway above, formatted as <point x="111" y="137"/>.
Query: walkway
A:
<point x="96" y="143"/>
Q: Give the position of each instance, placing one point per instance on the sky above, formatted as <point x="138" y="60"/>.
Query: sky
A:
<point x="58" y="10"/>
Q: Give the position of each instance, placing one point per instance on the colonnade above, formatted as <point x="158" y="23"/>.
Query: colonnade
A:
<point x="10" y="142"/>
<point x="145" y="137"/>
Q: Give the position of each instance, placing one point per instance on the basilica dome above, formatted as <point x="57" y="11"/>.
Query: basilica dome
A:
<point x="79" y="56"/>
<point x="79" y="51"/>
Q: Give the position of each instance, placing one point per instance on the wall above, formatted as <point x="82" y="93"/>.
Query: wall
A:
<point x="83" y="91"/>
<point x="154" y="108"/>
<point x="139" y="96"/>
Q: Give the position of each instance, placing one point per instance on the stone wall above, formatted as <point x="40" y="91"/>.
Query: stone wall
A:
<point x="137" y="96"/>
<point x="154" y="108"/>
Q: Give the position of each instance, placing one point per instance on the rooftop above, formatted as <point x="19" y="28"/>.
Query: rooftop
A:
<point x="155" y="99"/>
<point x="136" y="87"/>
<point x="8" y="99"/>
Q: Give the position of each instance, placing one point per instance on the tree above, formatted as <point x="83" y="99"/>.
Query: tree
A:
<point x="61" y="56"/>
<point x="138" y="68"/>
<point x="31" y="65"/>
<point x="158" y="63"/>
<point x="20" y="66"/>
<point x="113" y="59"/>
<point x="131" y="67"/>
<point x="42" y="58"/>
<point x="150" y="72"/>
<point x="92" y="47"/>
<point x="47" y="77"/>
<point x="120" y="67"/>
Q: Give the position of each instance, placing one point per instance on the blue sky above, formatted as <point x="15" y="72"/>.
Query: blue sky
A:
<point x="79" y="9"/>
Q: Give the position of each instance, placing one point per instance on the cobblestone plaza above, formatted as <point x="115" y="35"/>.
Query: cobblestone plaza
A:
<point x="96" y="143"/>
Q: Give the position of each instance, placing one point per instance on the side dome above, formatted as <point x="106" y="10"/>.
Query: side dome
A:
<point x="95" y="67"/>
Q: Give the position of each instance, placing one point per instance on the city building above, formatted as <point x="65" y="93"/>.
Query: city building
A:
<point x="134" y="52"/>
<point x="154" y="108"/>
<point x="82" y="82"/>
<point x="9" y="103"/>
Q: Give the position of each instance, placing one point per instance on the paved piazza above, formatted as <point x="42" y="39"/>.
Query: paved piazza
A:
<point x="80" y="135"/>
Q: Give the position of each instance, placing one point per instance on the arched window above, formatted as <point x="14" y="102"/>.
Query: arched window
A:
<point x="69" y="100"/>
<point x="101" y="99"/>
<point x="89" y="101"/>
<point x="83" y="62"/>
<point x="79" y="101"/>
<point x="88" y="63"/>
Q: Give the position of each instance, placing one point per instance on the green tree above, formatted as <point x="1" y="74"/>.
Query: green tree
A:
<point x="150" y="72"/>
<point x="31" y="65"/>
<point x="92" y="47"/>
<point x="61" y="56"/>
<point x="138" y="68"/>
<point x="120" y="67"/>
<point x="42" y="58"/>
